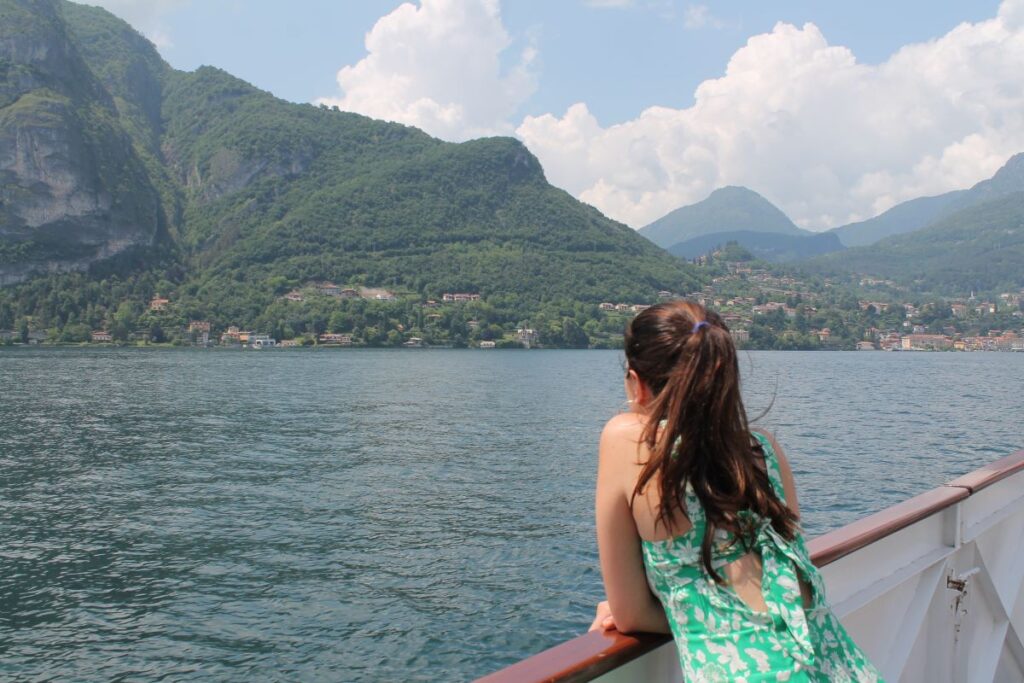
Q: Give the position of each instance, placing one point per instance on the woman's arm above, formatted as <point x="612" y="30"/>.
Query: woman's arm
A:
<point x="633" y="607"/>
<point x="789" y="489"/>
<point x="788" y="484"/>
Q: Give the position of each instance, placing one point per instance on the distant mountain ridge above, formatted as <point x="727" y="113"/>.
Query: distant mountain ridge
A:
<point x="917" y="213"/>
<point x="767" y="246"/>
<point x="737" y="214"/>
<point x="978" y="248"/>
<point x="727" y="209"/>
<point x="948" y="214"/>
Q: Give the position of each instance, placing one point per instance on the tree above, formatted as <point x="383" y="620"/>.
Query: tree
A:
<point x="76" y="332"/>
<point x="800" y="321"/>
<point x="339" y="322"/>
<point x="573" y="335"/>
<point x="123" y="322"/>
<point x="492" y="332"/>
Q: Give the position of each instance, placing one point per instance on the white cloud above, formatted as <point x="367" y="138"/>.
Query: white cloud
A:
<point x="145" y="16"/>
<point x="827" y="138"/>
<point x="609" y="3"/>
<point x="699" y="16"/>
<point x="438" y="66"/>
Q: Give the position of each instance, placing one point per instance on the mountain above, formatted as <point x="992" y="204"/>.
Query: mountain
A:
<point x="240" y="195"/>
<point x="917" y="213"/>
<point x="767" y="246"/>
<point x="73" y="189"/>
<point x="979" y="248"/>
<point x="727" y="209"/>
<point x="275" y="189"/>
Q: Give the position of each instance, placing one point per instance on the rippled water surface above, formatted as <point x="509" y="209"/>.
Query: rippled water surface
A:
<point x="386" y="515"/>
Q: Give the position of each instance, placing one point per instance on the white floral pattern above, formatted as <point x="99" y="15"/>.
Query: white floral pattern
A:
<point x="720" y="638"/>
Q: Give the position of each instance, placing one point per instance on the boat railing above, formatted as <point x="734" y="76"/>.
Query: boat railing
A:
<point x="930" y="588"/>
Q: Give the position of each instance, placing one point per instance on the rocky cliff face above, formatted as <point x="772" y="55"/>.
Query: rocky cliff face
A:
<point x="217" y="143"/>
<point x="72" y="188"/>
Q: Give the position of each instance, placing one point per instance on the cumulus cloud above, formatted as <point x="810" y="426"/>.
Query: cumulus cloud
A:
<point x="145" y="16"/>
<point x="438" y="66"/>
<point x="827" y="138"/>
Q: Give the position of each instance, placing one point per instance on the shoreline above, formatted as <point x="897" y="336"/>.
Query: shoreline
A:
<point x="335" y="347"/>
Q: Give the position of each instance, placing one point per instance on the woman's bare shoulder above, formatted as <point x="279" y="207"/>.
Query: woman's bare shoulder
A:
<point x="621" y="437"/>
<point x="624" y="427"/>
<point x="619" y="453"/>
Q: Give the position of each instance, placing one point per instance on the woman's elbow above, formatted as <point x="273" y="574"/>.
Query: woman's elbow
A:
<point x="629" y="626"/>
<point x="646" y="621"/>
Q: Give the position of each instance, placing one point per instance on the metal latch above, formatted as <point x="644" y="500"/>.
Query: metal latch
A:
<point x="960" y="582"/>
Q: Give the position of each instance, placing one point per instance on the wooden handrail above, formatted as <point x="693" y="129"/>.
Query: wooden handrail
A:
<point x="580" y="659"/>
<point x="828" y="548"/>
<point x="991" y="473"/>
<point x="592" y="654"/>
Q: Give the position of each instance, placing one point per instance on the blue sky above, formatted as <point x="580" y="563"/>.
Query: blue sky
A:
<point x="618" y="59"/>
<point x="834" y="111"/>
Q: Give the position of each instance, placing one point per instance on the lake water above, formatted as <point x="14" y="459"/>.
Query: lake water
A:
<point x="386" y="515"/>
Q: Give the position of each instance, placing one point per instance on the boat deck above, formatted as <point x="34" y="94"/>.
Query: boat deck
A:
<point x="930" y="589"/>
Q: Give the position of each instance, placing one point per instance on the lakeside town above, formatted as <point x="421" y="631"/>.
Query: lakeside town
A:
<point x="869" y="315"/>
<point x="764" y="309"/>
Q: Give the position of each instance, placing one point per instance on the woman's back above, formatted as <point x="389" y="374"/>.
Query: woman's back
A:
<point x="723" y="631"/>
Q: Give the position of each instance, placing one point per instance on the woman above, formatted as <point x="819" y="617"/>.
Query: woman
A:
<point x="698" y="521"/>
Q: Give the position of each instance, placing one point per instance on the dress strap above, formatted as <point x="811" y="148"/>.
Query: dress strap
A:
<point x="771" y="461"/>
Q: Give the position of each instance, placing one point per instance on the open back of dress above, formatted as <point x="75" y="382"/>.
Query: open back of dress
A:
<point x="719" y="636"/>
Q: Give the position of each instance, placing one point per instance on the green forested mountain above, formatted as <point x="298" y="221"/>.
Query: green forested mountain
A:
<point x="224" y="197"/>
<point x="917" y="213"/>
<point x="727" y="209"/>
<point x="276" y="189"/>
<point x="980" y="248"/>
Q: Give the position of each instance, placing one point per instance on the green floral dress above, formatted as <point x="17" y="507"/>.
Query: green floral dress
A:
<point x="720" y="637"/>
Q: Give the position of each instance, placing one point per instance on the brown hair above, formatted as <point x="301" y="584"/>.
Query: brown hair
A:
<point x="698" y="432"/>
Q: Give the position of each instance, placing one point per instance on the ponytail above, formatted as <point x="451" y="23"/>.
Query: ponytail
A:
<point x="698" y="433"/>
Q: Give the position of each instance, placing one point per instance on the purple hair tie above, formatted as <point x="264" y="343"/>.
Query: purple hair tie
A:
<point x="697" y="326"/>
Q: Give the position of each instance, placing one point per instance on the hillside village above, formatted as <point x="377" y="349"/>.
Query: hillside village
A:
<point x="768" y="309"/>
<point x="763" y="307"/>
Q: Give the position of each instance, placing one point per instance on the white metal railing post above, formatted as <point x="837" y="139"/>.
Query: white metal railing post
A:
<point x="953" y="526"/>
